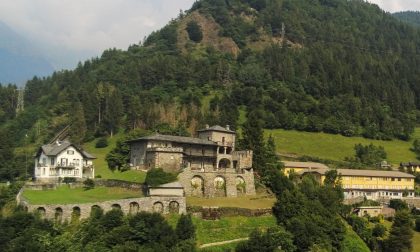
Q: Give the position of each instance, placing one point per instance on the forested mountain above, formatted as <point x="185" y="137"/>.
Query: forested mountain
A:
<point x="19" y="59"/>
<point x="411" y="17"/>
<point x="336" y="66"/>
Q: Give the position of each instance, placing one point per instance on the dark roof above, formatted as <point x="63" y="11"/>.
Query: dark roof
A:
<point x="362" y="173"/>
<point x="56" y="148"/>
<point x="177" y="139"/>
<point x="217" y="128"/>
<point x="410" y="164"/>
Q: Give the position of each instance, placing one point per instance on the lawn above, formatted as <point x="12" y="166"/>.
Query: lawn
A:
<point x="227" y="228"/>
<point x="101" y="166"/>
<point x="337" y="147"/>
<point x="250" y="202"/>
<point x="66" y="195"/>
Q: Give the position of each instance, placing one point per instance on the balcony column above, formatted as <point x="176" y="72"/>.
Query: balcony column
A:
<point x="225" y="150"/>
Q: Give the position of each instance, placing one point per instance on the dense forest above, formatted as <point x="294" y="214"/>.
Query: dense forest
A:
<point x="411" y="17"/>
<point x="337" y="66"/>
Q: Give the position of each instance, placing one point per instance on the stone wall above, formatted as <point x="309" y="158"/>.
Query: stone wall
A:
<point x="209" y="183"/>
<point x="243" y="159"/>
<point x="63" y="212"/>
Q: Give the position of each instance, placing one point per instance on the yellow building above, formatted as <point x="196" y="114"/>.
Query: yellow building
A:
<point x="372" y="184"/>
<point x="297" y="167"/>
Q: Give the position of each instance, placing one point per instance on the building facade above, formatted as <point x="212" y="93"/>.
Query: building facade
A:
<point x="62" y="159"/>
<point x="209" y="164"/>
<point x="372" y="184"/>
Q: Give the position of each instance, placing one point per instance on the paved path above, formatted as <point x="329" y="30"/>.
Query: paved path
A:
<point x="223" y="242"/>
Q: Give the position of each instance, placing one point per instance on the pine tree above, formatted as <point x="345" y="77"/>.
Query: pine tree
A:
<point x="253" y="139"/>
<point x="77" y="123"/>
<point x="401" y="234"/>
<point x="185" y="229"/>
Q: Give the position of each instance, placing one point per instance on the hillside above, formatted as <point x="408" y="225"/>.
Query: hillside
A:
<point x="411" y="17"/>
<point x="335" y="66"/>
<point x="336" y="147"/>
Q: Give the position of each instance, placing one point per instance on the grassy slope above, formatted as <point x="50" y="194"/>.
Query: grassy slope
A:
<point x="227" y="228"/>
<point x="337" y="147"/>
<point x="65" y="195"/>
<point x="352" y="242"/>
<point x="250" y="202"/>
<point x="101" y="167"/>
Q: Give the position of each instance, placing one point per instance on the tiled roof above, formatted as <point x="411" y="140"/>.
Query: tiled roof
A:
<point x="363" y="173"/>
<point x="177" y="139"/>
<point x="313" y="165"/>
<point x="217" y="128"/>
<point x="56" y="148"/>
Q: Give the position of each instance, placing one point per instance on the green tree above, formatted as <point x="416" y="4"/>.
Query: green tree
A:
<point x="157" y="176"/>
<point x="78" y="128"/>
<point x="194" y="31"/>
<point x="274" y="239"/>
<point x="185" y="229"/>
<point x="401" y="233"/>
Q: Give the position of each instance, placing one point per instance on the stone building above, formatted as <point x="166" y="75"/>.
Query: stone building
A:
<point x="209" y="164"/>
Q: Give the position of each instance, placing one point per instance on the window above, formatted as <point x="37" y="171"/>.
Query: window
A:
<point x="52" y="161"/>
<point x="44" y="161"/>
<point x="392" y="179"/>
<point x="70" y="152"/>
<point x="76" y="162"/>
<point x="76" y="172"/>
<point x="399" y="179"/>
<point x="64" y="162"/>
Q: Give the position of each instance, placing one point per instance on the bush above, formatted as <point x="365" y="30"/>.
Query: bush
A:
<point x="398" y="204"/>
<point x="379" y="230"/>
<point x="418" y="224"/>
<point x="157" y="176"/>
<point x="88" y="184"/>
<point x="101" y="143"/>
<point x="194" y="31"/>
<point x="68" y="180"/>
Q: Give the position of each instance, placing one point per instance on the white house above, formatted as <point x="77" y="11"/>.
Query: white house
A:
<point x="63" y="159"/>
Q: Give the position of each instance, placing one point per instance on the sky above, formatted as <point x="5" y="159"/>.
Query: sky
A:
<point x="71" y="30"/>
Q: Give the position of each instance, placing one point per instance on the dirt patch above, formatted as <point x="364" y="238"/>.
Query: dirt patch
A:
<point x="211" y="37"/>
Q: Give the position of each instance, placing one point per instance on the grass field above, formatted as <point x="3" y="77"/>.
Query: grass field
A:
<point x="66" y="195"/>
<point x="101" y="167"/>
<point x="227" y="228"/>
<point x="337" y="147"/>
<point x="220" y="248"/>
<point x="250" y="202"/>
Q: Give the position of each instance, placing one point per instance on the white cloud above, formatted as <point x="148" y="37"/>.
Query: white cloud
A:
<point x="88" y="26"/>
<point x="397" y="5"/>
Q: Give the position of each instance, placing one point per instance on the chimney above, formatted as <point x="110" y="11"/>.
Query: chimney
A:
<point x="228" y="127"/>
<point x="207" y="126"/>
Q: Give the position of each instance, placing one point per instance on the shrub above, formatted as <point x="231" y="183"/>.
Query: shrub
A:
<point x="379" y="230"/>
<point x="101" y="143"/>
<point x="98" y="176"/>
<point x="88" y="184"/>
<point x="418" y="224"/>
<point x="157" y="176"/>
<point x="68" y="180"/>
<point x="398" y="204"/>
<point x="194" y="31"/>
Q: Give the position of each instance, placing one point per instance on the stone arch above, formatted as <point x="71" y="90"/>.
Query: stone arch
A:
<point x="75" y="214"/>
<point x="158" y="207"/>
<point x="134" y="208"/>
<point x="219" y="186"/>
<point x="41" y="211"/>
<point x="58" y="214"/>
<point x="224" y="163"/>
<point x="240" y="185"/>
<point x="173" y="207"/>
<point x="116" y="206"/>
<point x="197" y="186"/>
